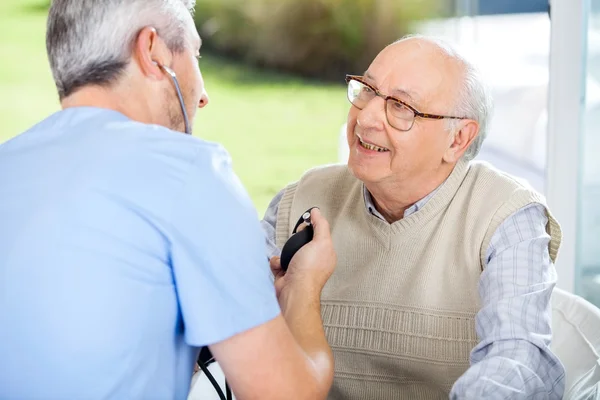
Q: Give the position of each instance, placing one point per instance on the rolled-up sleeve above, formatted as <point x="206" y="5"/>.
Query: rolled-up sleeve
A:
<point x="513" y="359"/>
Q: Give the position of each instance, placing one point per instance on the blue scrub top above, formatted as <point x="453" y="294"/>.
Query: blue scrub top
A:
<point x="123" y="248"/>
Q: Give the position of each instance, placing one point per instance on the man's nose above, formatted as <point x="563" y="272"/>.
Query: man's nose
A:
<point x="203" y="100"/>
<point x="372" y="116"/>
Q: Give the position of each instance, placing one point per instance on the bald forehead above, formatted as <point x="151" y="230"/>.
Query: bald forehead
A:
<point x="418" y="66"/>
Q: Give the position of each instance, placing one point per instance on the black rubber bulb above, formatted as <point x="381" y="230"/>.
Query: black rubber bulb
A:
<point x="295" y="243"/>
<point x="297" y="240"/>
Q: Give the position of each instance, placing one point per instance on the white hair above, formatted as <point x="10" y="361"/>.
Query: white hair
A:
<point x="473" y="100"/>
<point x="91" y="41"/>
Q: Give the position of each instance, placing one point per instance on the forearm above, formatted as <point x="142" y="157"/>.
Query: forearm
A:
<point x="513" y="358"/>
<point x="511" y="370"/>
<point x="301" y="308"/>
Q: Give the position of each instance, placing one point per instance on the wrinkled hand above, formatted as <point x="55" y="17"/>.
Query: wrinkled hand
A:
<point x="312" y="265"/>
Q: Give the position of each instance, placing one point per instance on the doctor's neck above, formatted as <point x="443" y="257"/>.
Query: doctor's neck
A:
<point x="128" y="101"/>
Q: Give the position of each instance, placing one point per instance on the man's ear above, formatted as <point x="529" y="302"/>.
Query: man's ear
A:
<point x="461" y="139"/>
<point x="150" y="52"/>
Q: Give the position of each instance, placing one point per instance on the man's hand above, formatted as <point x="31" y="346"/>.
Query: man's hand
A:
<point x="293" y="346"/>
<point x="311" y="266"/>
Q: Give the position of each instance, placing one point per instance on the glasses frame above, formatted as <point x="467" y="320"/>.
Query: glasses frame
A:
<point x="385" y="97"/>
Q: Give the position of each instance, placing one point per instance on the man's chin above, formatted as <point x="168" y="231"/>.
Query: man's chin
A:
<point x="363" y="171"/>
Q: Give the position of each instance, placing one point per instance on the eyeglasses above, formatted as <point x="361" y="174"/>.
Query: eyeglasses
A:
<point x="399" y="114"/>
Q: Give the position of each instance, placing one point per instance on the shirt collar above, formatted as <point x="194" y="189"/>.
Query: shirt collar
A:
<point x="409" y="211"/>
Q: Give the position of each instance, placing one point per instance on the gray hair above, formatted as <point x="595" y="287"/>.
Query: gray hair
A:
<point x="91" y="41"/>
<point x="474" y="100"/>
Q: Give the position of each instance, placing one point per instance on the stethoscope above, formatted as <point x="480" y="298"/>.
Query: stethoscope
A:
<point x="173" y="76"/>
<point x="205" y="357"/>
<point x="295" y="242"/>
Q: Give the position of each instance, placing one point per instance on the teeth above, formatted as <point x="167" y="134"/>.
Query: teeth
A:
<point x="372" y="147"/>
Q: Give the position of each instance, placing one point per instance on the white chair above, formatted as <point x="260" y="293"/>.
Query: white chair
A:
<point x="576" y="342"/>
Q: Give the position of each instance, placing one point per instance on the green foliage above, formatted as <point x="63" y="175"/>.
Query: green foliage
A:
<point x="317" y="38"/>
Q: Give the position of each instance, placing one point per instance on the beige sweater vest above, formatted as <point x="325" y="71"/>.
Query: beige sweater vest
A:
<point x="399" y="310"/>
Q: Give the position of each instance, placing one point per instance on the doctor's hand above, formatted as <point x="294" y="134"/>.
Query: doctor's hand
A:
<point x="292" y="346"/>
<point x="311" y="266"/>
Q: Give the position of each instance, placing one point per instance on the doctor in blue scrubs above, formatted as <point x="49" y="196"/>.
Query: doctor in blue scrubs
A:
<point x="126" y="244"/>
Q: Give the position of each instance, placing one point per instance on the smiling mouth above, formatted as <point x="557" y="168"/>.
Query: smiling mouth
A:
<point x="370" y="146"/>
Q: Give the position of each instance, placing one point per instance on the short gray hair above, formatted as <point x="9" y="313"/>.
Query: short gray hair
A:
<point x="91" y="41"/>
<point x="474" y="100"/>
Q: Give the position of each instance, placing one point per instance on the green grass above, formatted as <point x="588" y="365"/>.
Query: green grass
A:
<point x="274" y="126"/>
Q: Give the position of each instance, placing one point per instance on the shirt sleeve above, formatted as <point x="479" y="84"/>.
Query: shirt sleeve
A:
<point x="269" y="226"/>
<point x="222" y="277"/>
<point x="513" y="359"/>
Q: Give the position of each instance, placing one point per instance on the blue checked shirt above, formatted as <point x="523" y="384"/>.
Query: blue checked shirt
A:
<point x="512" y="359"/>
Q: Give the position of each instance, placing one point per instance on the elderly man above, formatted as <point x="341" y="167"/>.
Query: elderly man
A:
<point x="126" y="245"/>
<point x="445" y="265"/>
